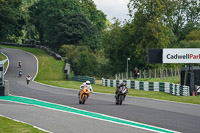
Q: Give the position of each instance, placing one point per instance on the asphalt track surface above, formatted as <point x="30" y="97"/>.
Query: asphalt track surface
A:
<point x="169" y="115"/>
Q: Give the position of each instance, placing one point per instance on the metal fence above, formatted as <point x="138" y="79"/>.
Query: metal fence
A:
<point x="170" y="88"/>
<point x="150" y="73"/>
<point x="84" y="79"/>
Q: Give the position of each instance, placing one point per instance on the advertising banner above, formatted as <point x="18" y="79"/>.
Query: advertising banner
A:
<point x="181" y="55"/>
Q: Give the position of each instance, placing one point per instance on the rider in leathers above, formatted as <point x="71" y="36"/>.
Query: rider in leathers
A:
<point x="87" y="85"/>
<point x="118" y="87"/>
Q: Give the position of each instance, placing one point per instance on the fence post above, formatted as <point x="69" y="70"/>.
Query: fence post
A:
<point x="149" y="73"/>
<point x="131" y="75"/>
<point x="178" y="71"/>
<point x="172" y="72"/>
<point x="160" y="73"/>
<point x="166" y="75"/>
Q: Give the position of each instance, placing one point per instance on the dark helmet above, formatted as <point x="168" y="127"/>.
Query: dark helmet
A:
<point x="123" y="84"/>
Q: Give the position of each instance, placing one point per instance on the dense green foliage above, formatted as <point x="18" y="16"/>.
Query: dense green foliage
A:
<point x="84" y="61"/>
<point x="153" y="24"/>
<point x="45" y="14"/>
<point x="76" y="29"/>
<point x="11" y="19"/>
<point x="100" y="48"/>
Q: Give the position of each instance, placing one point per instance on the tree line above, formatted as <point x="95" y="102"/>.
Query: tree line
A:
<point x="94" y="46"/>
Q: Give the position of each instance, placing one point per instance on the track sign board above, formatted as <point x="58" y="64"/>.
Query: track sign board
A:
<point x="181" y="55"/>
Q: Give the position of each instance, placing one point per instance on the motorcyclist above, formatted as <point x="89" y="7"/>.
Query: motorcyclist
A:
<point x="28" y="78"/>
<point x="20" y="64"/>
<point x="20" y="73"/>
<point x="123" y="84"/>
<point x="87" y="85"/>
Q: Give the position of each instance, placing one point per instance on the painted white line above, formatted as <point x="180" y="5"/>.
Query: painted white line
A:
<point x="94" y="117"/>
<point x="98" y="92"/>
<point x="36" y="65"/>
<point x="93" y="92"/>
<point x="26" y="123"/>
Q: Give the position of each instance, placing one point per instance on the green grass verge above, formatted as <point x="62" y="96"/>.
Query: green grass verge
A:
<point x="47" y="74"/>
<point x="175" y="80"/>
<point x="49" y="68"/>
<point x="52" y="74"/>
<point x="132" y="92"/>
<point x="10" y="126"/>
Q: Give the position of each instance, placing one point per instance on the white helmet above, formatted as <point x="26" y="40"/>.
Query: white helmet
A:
<point x="87" y="82"/>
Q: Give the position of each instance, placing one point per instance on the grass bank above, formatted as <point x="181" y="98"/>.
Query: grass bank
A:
<point x="10" y="126"/>
<point x="53" y="75"/>
<point x="175" y="80"/>
<point x="49" y="68"/>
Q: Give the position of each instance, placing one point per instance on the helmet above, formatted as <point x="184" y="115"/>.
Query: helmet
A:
<point x="87" y="82"/>
<point x="84" y="84"/>
<point x="123" y="84"/>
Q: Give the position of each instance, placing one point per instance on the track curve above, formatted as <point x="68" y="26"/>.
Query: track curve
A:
<point x="170" y="115"/>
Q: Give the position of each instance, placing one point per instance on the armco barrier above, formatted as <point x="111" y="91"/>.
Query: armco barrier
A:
<point x="50" y="52"/>
<point x="171" y="88"/>
<point x="85" y="78"/>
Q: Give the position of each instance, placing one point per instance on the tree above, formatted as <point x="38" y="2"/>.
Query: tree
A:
<point x="183" y="16"/>
<point x="97" y="17"/>
<point x="76" y="29"/>
<point x="82" y="59"/>
<point x="45" y="14"/>
<point x="12" y="19"/>
<point x="192" y="40"/>
<point x="149" y="29"/>
<point x="118" y="47"/>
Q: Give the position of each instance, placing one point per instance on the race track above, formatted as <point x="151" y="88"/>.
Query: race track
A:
<point x="168" y="115"/>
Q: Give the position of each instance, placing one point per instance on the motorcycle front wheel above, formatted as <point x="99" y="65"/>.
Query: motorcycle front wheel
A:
<point x="84" y="99"/>
<point x="121" y="97"/>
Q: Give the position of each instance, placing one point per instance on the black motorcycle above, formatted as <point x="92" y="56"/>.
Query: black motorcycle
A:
<point x="120" y="96"/>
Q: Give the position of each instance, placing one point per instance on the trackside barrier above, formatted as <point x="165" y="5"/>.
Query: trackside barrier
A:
<point x="85" y="78"/>
<point x="166" y="87"/>
<point x="50" y="52"/>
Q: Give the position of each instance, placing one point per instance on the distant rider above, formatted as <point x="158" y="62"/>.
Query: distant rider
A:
<point x="20" y="73"/>
<point x="28" y="78"/>
<point x="20" y="64"/>
<point x="86" y="85"/>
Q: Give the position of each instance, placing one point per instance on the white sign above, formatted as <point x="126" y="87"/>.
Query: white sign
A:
<point x="181" y="55"/>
